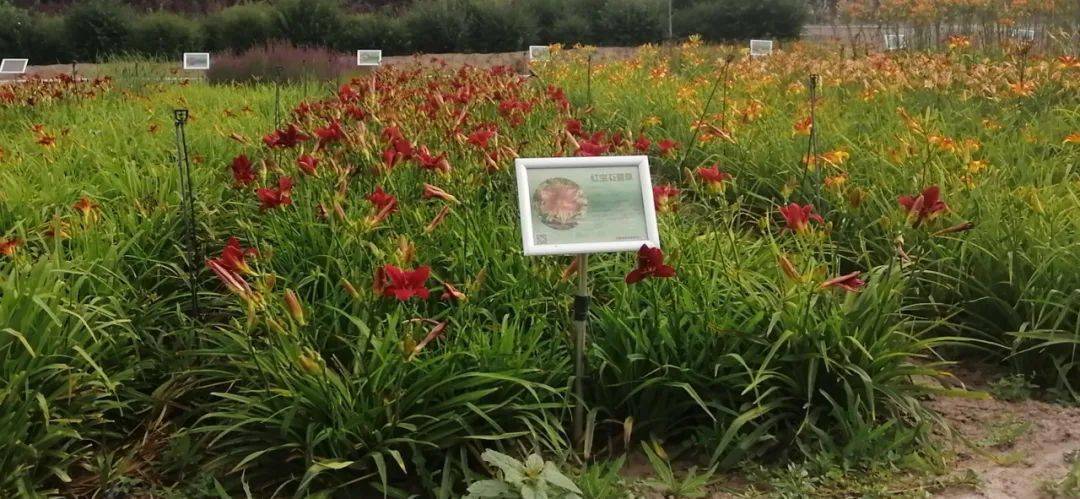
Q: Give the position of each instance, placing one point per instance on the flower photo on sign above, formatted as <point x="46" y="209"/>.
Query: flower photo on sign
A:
<point x="560" y="203"/>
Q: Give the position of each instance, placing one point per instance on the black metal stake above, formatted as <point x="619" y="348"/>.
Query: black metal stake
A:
<point x="187" y="206"/>
<point x="704" y="112"/>
<point x="588" y="80"/>
<point x="811" y="142"/>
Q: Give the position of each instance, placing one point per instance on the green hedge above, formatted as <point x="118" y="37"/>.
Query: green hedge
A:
<point x="165" y="34"/>
<point x="95" y="29"/>
<point x="241" y="27"/>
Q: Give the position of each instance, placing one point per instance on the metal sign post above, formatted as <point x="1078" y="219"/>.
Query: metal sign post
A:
<point x="581" y="319"/>
<point x="582" y="205"/>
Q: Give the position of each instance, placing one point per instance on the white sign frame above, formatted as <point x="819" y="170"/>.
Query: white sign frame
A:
<point x="524" y="165"/>
<point x="362" y="61"/>
<point x="895" y="41"/>
<point x="189" y="64"/>
<point x="1024" y="34"/>
<point x="761" y="48"/>
<point x="539" y="53"/>
<point x="6" y="62"/>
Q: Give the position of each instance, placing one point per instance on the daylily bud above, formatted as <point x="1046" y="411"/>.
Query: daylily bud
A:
<point x="431" y="191"/>
<point x="310" y="361"/>
<point x="789" y="268"/>
<point x="349" y="288"/>
<point x="292" y="304"/>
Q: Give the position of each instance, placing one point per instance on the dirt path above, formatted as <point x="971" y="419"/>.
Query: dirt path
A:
<point x="1026" y="443"/>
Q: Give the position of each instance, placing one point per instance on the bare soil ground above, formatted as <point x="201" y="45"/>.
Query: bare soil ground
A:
<point x="1021" y="444"/>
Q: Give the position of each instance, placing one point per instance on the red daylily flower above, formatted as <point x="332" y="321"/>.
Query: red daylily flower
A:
<point x="664" y="198"/>
<point x="233" y="257"/>
<point x="642" y="144"/>
<point x="847" y="282"/>
<point x="650" y="263"/>
<point x="330" y="134"/>
<point x="480" y="138"/>
<point x="431" y="191"/>
<point x="798" y="218"/>
<point x="382" y="200"/>
<point x="280" y="196"/>
<point x="347" y="94"/>
<point x="430" y="162"/>
<point x="242" y="171"/>
<point x="285" y="138"/>
<point x="8" y="246"/>
<point x="591" y="148"/>
<point x="85" y="206"/>
<point x="924" y="207"/>
<point x="402" y="284"/>
<point x="307" y="164"/>
<point x="713" y="178"/>
<point x="667" y="146"/>
<point x="574" y="127"/>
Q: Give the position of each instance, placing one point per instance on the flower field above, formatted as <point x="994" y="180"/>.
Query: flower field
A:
<point x="364" y="322"/>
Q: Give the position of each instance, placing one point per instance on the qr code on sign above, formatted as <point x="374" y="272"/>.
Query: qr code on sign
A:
<point x="541" y="239"/>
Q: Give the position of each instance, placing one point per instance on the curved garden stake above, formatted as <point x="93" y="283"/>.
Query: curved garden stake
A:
<point x="187" y="206"/>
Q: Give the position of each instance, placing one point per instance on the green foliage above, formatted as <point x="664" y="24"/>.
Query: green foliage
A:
<point x="17" y="37"/>
<point x="514" y="479"/>
<point x="1012" y="388"/>
<point x="165" y="35"/>
<point x="373" y="31"/>
<point x="67" y="353"/>
<point x="737" y="20"/>
<point x="666" y="482"/>
<point x="51" y="44"/>
<point x="498" y="26"/>
<point x="241" y="27"/>
<point x="436" y="26"/>
<point x="308" y="23"/>
<point x="629" y="22"/>
<point x="98" y="28"/>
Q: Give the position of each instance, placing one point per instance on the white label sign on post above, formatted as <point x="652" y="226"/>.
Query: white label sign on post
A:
<point x="13" y="66"/>
<point x="1024" y="34"/>
<point x="574" y="206"/>
<point x="196" y="61"/>
<point x="539" y="53"/>
<point x="760" y="48"/>
<point x="368" y="57"/>
<point x="895" y="42"/>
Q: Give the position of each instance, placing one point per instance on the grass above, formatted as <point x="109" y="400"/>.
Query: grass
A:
<point x="299" y="376"/>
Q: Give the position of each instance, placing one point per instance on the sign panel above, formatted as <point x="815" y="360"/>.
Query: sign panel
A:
<point x="13" y="66"/>
<point x="1024" y="34"/>
<point x="539" y="53"/>
<point x="585" y="205"/>
<point x="197" y="61"/>
<point x="895" y="42"/>
<point x="760" y="48"/>
<point x="368" y="57"/>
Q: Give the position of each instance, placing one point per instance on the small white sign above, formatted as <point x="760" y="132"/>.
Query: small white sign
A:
<point x="759" y="48"/>
<point x="539" y="53"/>
<point x="895" y="42"/>
<point x="1024" y="34"/>
<point x="13" y="66"/>
<point x="197" y="61"/>
<point x="572" y="206"/>
<point x="368" y="57"/>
